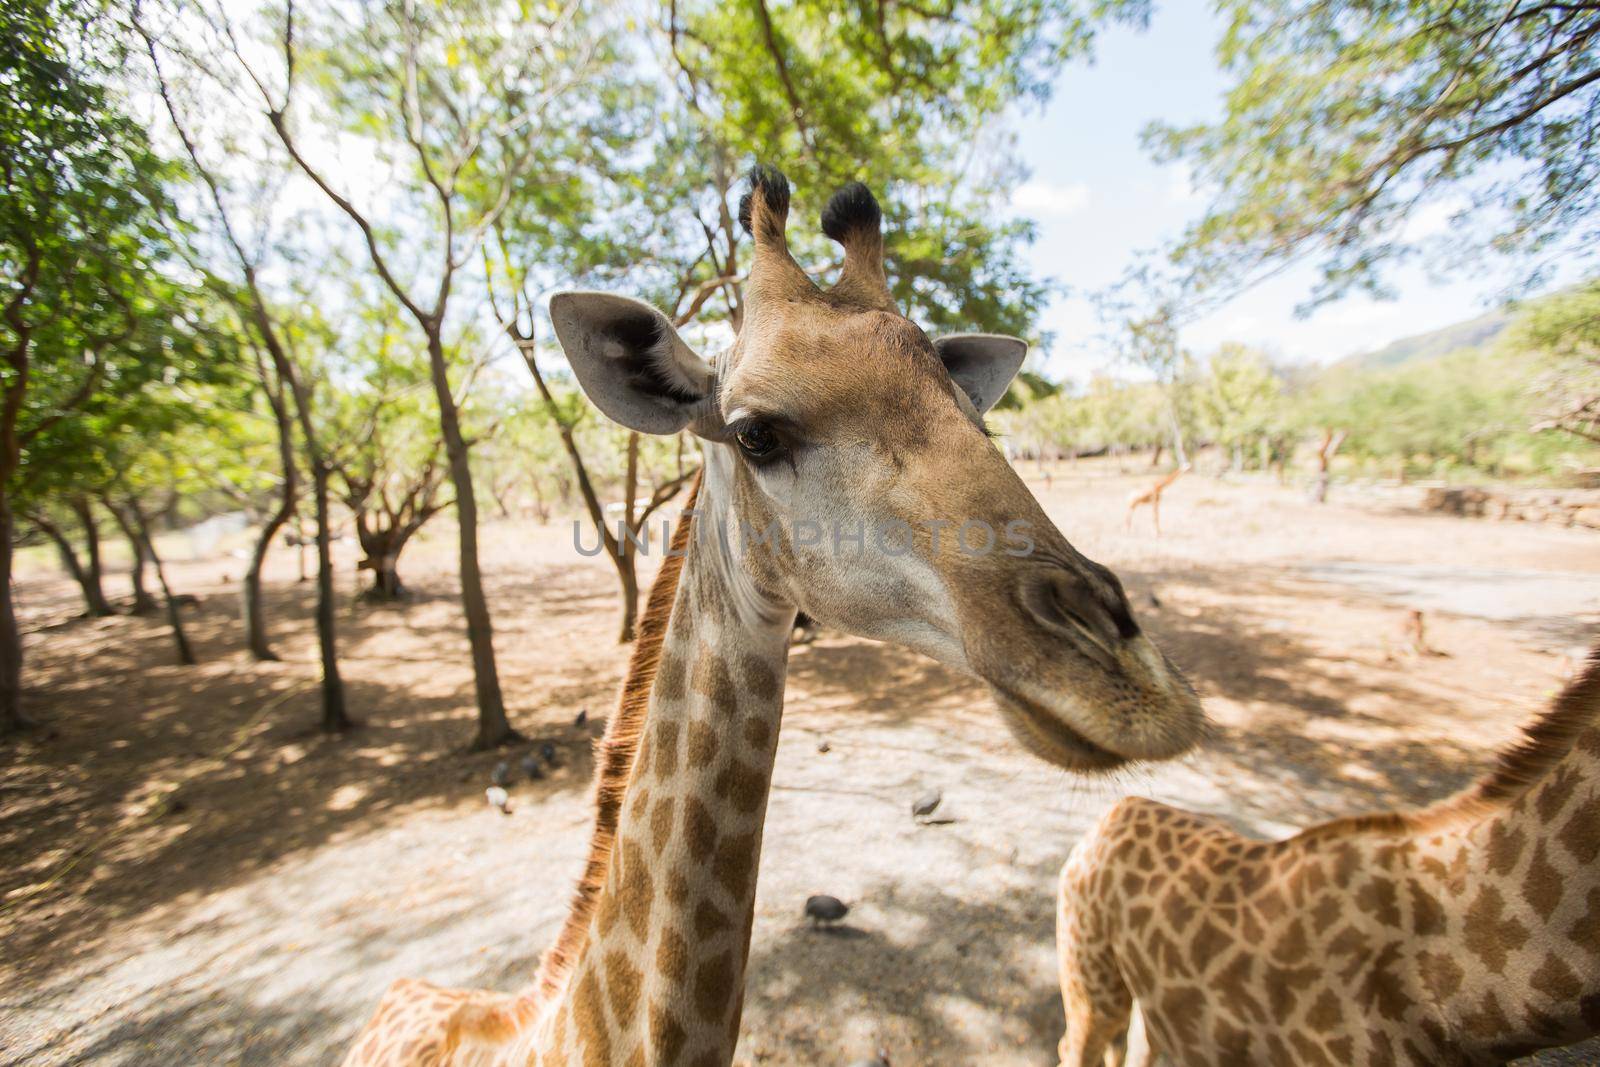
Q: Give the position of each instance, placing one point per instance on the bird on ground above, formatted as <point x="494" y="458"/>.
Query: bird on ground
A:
<point x="582" y="720"/>
<point x="498" y="798"/>
<point x="531" y="768"/>
<point x="824" y="747"/>
<point x="822" y="908"/>
<point x="881" y="1059"/>
<point x="1152" y="602"/>
<point x="551" y="756"/>
<point x="501" y="775"/>
<point x="925" y="805"/>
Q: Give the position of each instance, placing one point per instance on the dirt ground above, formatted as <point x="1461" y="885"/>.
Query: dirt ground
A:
<point x="190" y="874"/>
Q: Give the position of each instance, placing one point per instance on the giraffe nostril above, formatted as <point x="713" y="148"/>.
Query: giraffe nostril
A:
<point x="1061" y="600"/>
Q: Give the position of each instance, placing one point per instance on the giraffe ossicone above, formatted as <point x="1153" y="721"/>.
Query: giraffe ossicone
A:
<point x="830" y="405"/>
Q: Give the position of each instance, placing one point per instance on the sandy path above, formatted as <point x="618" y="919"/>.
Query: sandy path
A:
<point x="259" y="923"/>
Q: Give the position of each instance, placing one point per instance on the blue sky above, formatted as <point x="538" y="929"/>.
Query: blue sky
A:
<point x="1100" y="200"/>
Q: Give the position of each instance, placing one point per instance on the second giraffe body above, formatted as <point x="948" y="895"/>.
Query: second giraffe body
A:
<point x="1465" y="933"/>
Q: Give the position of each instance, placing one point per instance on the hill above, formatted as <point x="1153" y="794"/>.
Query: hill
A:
<point x="1468" y="334"/>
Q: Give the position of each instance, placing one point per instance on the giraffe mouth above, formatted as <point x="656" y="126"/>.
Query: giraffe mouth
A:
<point x="1043" y="733"/>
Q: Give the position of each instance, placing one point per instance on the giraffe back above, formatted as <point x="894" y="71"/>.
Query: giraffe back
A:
<point x="418" y="1024"/>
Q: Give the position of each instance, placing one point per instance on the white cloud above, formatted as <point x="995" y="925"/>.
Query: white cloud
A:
<point x="1432" y="219"/>
<point x="1047" y="199"/>
<point x="1181" y="188"/>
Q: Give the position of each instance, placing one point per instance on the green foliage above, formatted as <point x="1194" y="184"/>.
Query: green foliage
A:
<point x="1239" y="399"/>
<point x="1467" y="410"/>
<point x="1344" y="117"/>
<point x="902" y="96"/>
<point x="1561" y="336"/>
<point x="87" y="261"/>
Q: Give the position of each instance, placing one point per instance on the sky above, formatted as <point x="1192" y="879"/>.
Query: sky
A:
<point x="1100" y="200"/>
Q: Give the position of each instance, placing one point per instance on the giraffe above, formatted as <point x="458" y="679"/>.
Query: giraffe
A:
<point x="828" y="404"/>
<point x="1467" y="932"/>
<point x="1152" y="496"/>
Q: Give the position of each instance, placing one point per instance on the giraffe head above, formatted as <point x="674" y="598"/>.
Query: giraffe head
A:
<point x="862" y="488"/>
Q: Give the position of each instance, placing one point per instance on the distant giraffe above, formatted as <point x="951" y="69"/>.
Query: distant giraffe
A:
<point x="830" y="404"/>
<point x="1464" y="933"/>
<point x="1152" y="496"/>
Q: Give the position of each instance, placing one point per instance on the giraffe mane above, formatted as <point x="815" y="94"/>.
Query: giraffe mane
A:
<point x="1517" y="767"/>
<point x="614" y="758"/>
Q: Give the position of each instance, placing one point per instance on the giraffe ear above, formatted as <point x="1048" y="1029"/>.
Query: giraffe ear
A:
<point x="981" y="364"/>
<point x="630" y="361"/>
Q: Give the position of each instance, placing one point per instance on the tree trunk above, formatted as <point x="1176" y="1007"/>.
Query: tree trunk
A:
<point x="386" y="584"/>
<point x="627" y="567"/>
<point x="493" y="727"/>
<point x="1325" y="453"/>
<point x="93" y="591"/>
<point x="11" y="718"/>
<point x="143" y="602"/>
<point x="174" y="617"/>
<point x="628" y="577"/>
<point x="383" y="549"/>
<point x="69" y="562"/>
<point x="1179" y="452"/>
<point x="255" y="622"/>
<point x="334" y="718"/>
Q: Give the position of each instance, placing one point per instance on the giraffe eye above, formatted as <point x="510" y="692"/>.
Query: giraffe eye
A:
<point x="758" y="442"/>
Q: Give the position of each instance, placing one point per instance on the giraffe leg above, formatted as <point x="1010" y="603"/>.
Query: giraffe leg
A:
<point x="1139" y="1051"/>
<point x="1155" y="513"/>
<point x="1093" y="996"/>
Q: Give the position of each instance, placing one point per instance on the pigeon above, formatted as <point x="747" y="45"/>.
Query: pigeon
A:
<point x="924" y="805"/>
<point x="551" y="756"/>
<point x="531" y="768"/>
<point x="498" y="798"/>
<point x="582" y="720"/>
<point x="825" y="909"/>
<point x="501" y="775"/>
<point x="1152" y="602"/>
<point x="823" y="746"/>
<point x="881" y="1059"/>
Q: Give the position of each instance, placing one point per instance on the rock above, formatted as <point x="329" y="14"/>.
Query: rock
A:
<point x="924" y="805"/>
<point x="582" y="720"/>
<point x="531" y="768"/>
<point x="498" y="798"/>
<point x="823" y="746"/>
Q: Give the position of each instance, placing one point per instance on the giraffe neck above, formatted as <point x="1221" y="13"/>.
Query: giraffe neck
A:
<point x="1510" y="950"/>
<point x="659" y="977"/>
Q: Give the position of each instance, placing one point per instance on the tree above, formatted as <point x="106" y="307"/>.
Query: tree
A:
<point x="1344" y="118"/>
<point x="83" y="241"/>
<point x="1147" y="338"/>
<point x="1563" y="332"/>
<point x="899" y="94"/>
<point x="464" y="91"/>
<point x="1237" y="397"/>
<point x="519" y="320"/>
<point x="390" y="462"/>
<point x="87" y="573"/>
<point x="273" y="390"/>
<point x="904" y="95"/>
<point x="273" y="335"/>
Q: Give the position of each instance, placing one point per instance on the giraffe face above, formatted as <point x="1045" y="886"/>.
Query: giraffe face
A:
<point x="863" y="490"/>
